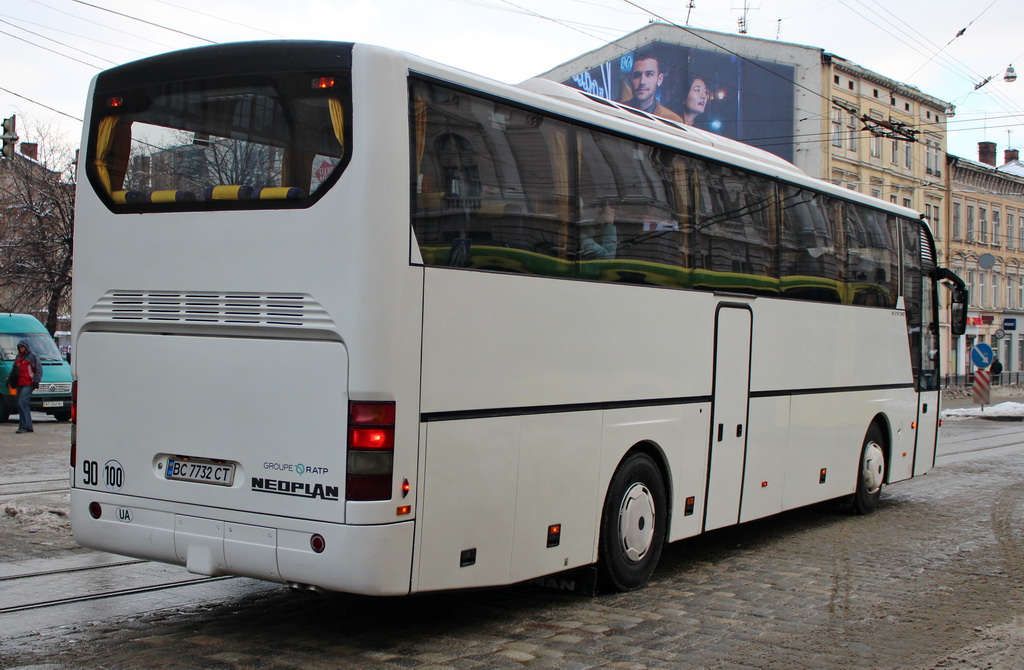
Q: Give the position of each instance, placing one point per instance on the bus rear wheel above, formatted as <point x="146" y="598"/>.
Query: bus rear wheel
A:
<point x="870" y="473"/>
<point x="633" y="525"/>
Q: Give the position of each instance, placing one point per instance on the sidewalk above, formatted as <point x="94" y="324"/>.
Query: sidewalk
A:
<point x="961" y="396"/>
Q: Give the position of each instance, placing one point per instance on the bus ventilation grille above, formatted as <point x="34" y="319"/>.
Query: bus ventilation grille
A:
<point x="292" y="310"/>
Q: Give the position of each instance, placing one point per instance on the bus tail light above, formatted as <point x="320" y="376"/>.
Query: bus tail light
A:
<point x="371" y="449"/>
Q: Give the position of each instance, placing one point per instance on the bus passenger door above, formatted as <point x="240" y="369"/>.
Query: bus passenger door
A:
<point x="730" y="396"/>
<point x="928" y="375"/>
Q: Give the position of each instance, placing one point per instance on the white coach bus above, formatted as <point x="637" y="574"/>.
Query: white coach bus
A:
<point x="349" y="319"/>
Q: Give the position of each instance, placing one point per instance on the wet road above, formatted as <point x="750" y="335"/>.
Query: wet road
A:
<point x="935" y="578"/>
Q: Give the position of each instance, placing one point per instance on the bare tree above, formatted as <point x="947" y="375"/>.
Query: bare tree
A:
<point x="37" y="219"/>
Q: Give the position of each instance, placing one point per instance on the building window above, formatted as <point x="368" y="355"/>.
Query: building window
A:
<point x="957" y="227"/>
<point x="851" y="132"/>
<point x="983" y="224"/>
<point x="995" y="291"/>
<point x="970" y="223"/>
<point x="1020" y="233"/>
<point x="837" y="127"/>
<point x="895" y="159"/>
<point x="908" y="203"/>
<point x="1010" y="291"/>
<point x="876" y="146"/>
<point x="971" y="293"/>
<point x="997" y="240"/>
<point x="908" y="155"/>
<point x="981" y="289"/>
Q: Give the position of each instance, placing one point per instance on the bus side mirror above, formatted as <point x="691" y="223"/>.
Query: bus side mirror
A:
<point x="958" y="312"/>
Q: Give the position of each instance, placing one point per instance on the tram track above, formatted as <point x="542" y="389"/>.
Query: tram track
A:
<point x="27" y="582"/>
<point x="56" y="602"/>
<point x="34" y="487"/>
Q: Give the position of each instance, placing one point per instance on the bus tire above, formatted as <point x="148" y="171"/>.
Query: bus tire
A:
<point x="633" y="525"/>
<point x="870" y="472"/>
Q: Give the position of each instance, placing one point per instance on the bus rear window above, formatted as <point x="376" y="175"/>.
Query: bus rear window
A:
<point x="229" y="142"/>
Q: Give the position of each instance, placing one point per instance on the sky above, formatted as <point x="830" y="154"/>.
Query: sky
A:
<point x="50" y="49"/>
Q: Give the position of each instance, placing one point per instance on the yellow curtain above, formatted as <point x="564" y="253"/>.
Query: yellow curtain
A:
<point x="104" y="143"/>
<point x="561" y="186"/>
<point x="684" y="209"/>
<point x="337" y="121"/>
<point x="420" y="119"/>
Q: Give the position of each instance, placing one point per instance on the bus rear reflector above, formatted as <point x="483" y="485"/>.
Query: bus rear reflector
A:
<point x="74" y="422"/>
<point x="371" y="447"/>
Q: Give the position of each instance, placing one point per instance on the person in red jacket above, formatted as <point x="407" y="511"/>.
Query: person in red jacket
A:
<point x="30" y="373"/>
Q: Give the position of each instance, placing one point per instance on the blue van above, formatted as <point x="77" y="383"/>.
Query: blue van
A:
<point x="54" y="393"/>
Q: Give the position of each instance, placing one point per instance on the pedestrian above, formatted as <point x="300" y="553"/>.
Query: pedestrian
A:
<point x="996" y="369"/>
<point x="26" y="373"/>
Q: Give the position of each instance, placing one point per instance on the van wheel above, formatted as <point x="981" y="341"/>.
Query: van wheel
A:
<point x="633" y="525"/>
<point x="870" y="473"/>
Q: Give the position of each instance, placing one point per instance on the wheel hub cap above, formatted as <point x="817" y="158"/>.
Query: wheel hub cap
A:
<point x="872" y="469"/>
<point x="636" y="522"/>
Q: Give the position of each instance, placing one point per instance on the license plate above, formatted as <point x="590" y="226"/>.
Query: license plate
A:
<point x="204" y="472"/>
<point x="53" y="403"/>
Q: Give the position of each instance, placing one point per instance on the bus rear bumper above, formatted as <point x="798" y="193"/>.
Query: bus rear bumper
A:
<point x="369" y="560"/>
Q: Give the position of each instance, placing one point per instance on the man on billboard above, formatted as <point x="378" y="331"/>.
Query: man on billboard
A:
<point x="645" y="81"/>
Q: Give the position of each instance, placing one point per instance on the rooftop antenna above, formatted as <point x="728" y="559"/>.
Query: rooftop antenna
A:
<point x="743" y="19"/>
<point x="778" y="29"/>
<point x="693" y="4"/>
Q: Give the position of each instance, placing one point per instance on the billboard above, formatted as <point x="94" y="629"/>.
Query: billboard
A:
<point x="741" y="98"/>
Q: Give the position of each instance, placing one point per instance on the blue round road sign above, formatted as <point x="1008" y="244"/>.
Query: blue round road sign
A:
<point x="982" y="355"/>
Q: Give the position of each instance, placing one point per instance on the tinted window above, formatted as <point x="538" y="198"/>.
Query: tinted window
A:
<point x="497" y="187"/>
<point x="219" y="142"/>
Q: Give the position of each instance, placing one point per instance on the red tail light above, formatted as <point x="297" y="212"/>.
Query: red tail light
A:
<point x="371" y="448"/>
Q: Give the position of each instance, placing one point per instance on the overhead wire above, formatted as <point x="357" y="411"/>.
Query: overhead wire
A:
<point x="143" y="21"/>
<point x="43" y="105"/>
<point x="71" y="34"/>
<point x="50" y="39"/>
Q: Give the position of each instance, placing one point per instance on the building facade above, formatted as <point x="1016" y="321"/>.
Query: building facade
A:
<point x="986" y="248"/>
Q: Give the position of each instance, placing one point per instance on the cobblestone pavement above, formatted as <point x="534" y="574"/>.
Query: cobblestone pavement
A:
<point x="933" y="579"/>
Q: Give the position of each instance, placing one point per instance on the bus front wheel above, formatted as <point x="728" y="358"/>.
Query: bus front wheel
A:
<point x="870" y="473"/>
<point x="633" y="525"/>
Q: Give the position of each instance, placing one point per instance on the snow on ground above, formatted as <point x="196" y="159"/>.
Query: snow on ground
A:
<point x="1003" y="410"/>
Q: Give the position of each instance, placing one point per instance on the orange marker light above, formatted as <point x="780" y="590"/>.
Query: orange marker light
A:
<point x="116" y="101"/>
<point x="323" y="82"/>
<point x="403" y="510"/>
